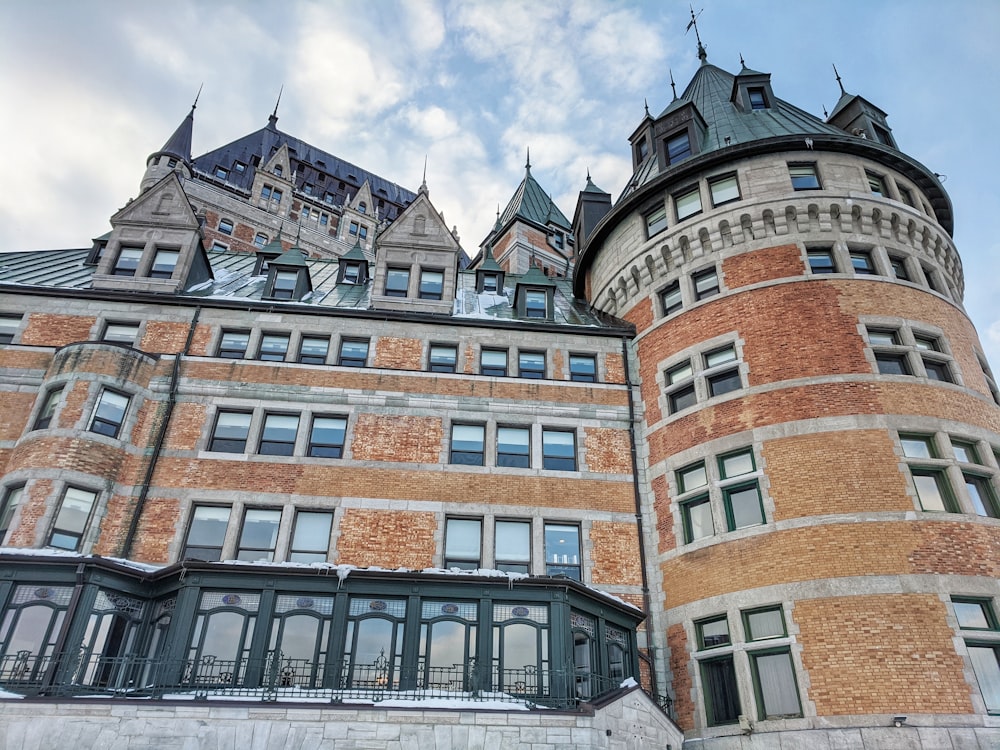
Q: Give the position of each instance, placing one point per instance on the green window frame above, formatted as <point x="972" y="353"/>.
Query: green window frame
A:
<point x="786" y="703"/>
<point x="713" y="632"/>
<point x="696" y="513"/>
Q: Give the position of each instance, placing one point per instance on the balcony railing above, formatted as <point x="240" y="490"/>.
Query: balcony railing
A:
<point x="276" y="677"/>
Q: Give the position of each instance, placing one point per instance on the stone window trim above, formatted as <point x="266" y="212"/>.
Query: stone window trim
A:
<point x="537" y="458"/>
<point x="111" y="413"/>
<point x="978" y="629"/>
<point x="691" y="376"/>
<point x="950" y="473"/>
<point x="10" y="327"/>
<point x="687" y="202"/>
<point x="492" y="554"/>
<point x="898" y="347"/>
<point x="116" y="331"/>
<point x="302" y="448"/>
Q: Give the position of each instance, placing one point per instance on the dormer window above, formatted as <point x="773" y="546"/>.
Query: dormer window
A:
<point x="757" y="98"/>
<point x="535" y="303"/>
<point x="431" y="284"/>
<point x="128" y="261"/>
<point x="171" y="163"/>
<point x="352" y="272"/>
<point x="164" y="263"/>
<point x="278" y="170"/>
<point x="221" y="172"/>
<point x="678" y="147"/>
<point x="490" y="282"/>
<point x="260" y="240"/>
<point x="239" y="166"/>
<point x="284" y="284"/>
<point x="397" y="282"/>
<point x="362" y="207"/>
<point x="641" y="150"/>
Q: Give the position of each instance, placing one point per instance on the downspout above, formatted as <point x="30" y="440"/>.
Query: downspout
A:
<point x="140" y="504"/>
<point x="647" y="604"/>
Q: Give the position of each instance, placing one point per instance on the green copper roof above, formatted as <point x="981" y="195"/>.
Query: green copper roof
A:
<point x="533" y="204"/>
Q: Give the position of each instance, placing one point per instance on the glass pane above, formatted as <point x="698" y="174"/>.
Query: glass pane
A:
<point x="765" y="624"/>
<point x="714" y="633"/>
<point x="582" y="367"/>
<point x="494" y="358"/>
<point x="466" y="437"/>
<point x="965" y="452"/>
<point x="431" y="284"/>
<point x="688" y="204"/>
<point x="396" y="282"/>
<point x="725" y="190"/>
<point x="280" y="427"/>
<point x="699" y="520"/>
<point x="299" y="637"/>
<point x="235" y="340"/>
<point x="513" y="440"/>
<point x="972" y="615"/>
<point x="273" y="346"/>
<point x="720" y="356"/>
<point x="208" y="526"/>
<point x="656" y="221"/>
<point x="862" y="263"/>
<point x="75" y="510"/>
<point x="723" y="383"/>
<point x="354" y="350"/>
<point x="562" y="544"/>
<point x="312" y="533"/>
<point x="223" y="636"/>
<point x="683" y="398"/>
<point x="260" y="529"/>
<point x="744" y="505"/>
<point x="314" y="349"/>
<point x="986" y="664"/>
<point x="722" y="698"/>
<point x="915" y="446"/>
<point x="671" y="297"/>
<point x="692" y="477"/>
<point x="737" y="464"/>
<point x="447" y="646"/>
<point x="706" y="284"/>
<point x="327" y="431"/>
<point x="232" y="425"/>
<point x="443" y="358"/>
<point x="121" y="332"/>
<point x="679" y="373"/>
<point x="29" y="633"/>
<point x="821" y="261"/>
<point x="513" y="541"/>
<point x="930" y="490"/>
<point x="463" y="538"/>
<point x="777" y="685"/>
<point x="892" y="364"/>
<point x="981" y="495"/>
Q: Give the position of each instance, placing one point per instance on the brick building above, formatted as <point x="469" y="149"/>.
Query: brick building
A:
<point x="731" y="437"/>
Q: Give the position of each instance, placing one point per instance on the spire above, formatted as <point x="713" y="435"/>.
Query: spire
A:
<point x="743" y="63"/>
<point x="645" y="104"/>
<point x="178" y="145"/>
<point x="527" y="161"/>
<point x="673" y="86"/>
<point x="839" y="82"/>
<point x="702" y="54"/>
<point x="272" y="121"/>
<point x="423" y="183"/>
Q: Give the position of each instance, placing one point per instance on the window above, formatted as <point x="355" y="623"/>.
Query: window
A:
<point x="109" y="413"/>
<point x="804" y="176"/>
<point x="876" y="183"/>
<point x="120" y="333"/>
<point x="535" y="303"/>
<point x="706" y="283"/>
<point x="981" y="495"/>
<point x="284" y="285"/>
<point x="279" y="170"/>
<point x="467" y="444"/>
<point x="128" y="261"/>
<point x="756" y="97"/>
<point x="9" y="324"/>
<point x="514" y="447"/>
<point x="327" y="437"/>
<point x="821" y="261"/>
<point x="164" y="263"/>
<point x="531" y="364"/>
<point x="713" y="633"/>
<point x="905" y="195"/>
<point x="11" y="499"/>
<point x="230" y="433"/>
<point x="683" y="395"/>
<point x="562" y="550"/>
<point x="259" y="535"/>
<point x="696" y="514"/>
<point x="239" y="166"/>
<point x="225" y="226"/>
<point x="221" y="172"/>
<point x="308" y="189"/>
<point x="52" y="400"/>
<point x="311" y="537"/>
<point x="270" y="197"/>
<point x="313" y="350"/>
<point x="732" y="487"/>
<point x="512" y="546"/>
<point x="715" y="373"/>
<point x="898" y="265"/>
<point x="861" y="262"/>
<point x="670" y="298"/>
<point x="932" y="280"/>
<point x="443" y="358"/>
<point x="352" y="273"/>
<point x="930" y="480"/>
<point x="772" y="669"/>
<point x="722" y="697"/>
<point x="583" y="368"/>
<point x="493" y="362"/>
<point x="397" y="282"/>
<point x="353" y="353"/>
<point x="905" y="351"/>
<point x="463" y="543"/>
<point x="741" y="498"/>
<point x="220" y="247"/>
<point x="991" y="383"/>
<point x="978" y="622"/>
<point x="729" y="378"/>
<point x="656" y="221"/>
<point x="273" y="347"/>
<point x="678" y="148"/>
<point x="431" y="284"/>
<point x="491" y="282"/>
<point x="233" y="344"/>
<point x="278" y="436"/>
<point x="724" y="189"/>
<point x="688" y="204"/>
<point x="558" y="450"/>
<point x="260" y="239"/>
<point x="72" y="518"/>
<point x="353" y="229"/>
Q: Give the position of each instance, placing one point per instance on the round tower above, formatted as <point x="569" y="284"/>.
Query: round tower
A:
<point x="820" y="425"/>
<point x="174" y="156"/>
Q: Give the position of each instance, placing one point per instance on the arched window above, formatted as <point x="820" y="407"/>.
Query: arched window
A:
<point x="373" y="649"/>
<point x="448" y="645"/>
<point x="220" y="644"/>
<point x="30" y="630"/>
<point x="300" y="640"/>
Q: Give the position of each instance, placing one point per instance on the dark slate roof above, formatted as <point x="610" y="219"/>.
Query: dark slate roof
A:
<point x="179" y="144"/>
<point x="314" y="163"/>
<point x="58" y="268"/>
<point x="532" y="203"/>
<point x="709" y="91"/>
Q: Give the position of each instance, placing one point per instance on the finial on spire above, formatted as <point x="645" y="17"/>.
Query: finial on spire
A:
<point x="588" y="174"/>
<point x="742" y="61"/>
<point x="702" y="54"/>
<point x="197" y="97"/>
<point x="825" y="113"/>
<point x="527" y="162"/>
<point x="423" y="183"/>
<point x="839" y="82"/>
<point x="645" y="103"/>
<point x="273" y="119"/>
<point x="673" y="86"/>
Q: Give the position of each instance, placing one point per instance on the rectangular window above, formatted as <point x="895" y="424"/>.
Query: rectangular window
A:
<point x="722" y="697"/>
<point x="109" y="413"/>
<point x="225" y="226"/>
<point x="535" y="303"/>
<point x="558" y="450"/>
<point x="905" y="195"/>
<point x="684" y="395"/>
<point x="774" y="684"/>
<point x="259" y="535"/>
<point x="512" y="543"/>
<point x="562" y="550"/>
<point x="52" y="399"/>
<point x="724" y="189"/>
<point x="493" y="362"/>
<point x="397" y="282"/>
<point x="353" y="229"/>
<point x="490" y="282"/>
<point x="121" y="333"/>
<point x="974" y="614"/>
<point x="670" y="298"/>
<point x="278" y="436"/>
<point x="352" y="273"/>
<point x="892" y="364"/>
<point x="273" y="347"/>
<point x="898" y="266"/>
<point x="583" y="368"/>
<point x="742" y="501"/>
<point x="221" y="172"/>
<point x="327" y="437"/>
<point x="164" y="263"/>
<point x="756" y="97"/>
<point x="128" y="261"/>
<point x="230" y="433"/>
<point x="531" y="364"/>
<point x="656" y="221"/>
<point x="313" y="350"/>
<point x="982" y="496"/>
<point x="284" y="284"/>
<point x="233" y="344"/>
<point x="918" y="446"/>
<point x="978" y="615"/>
<point x="678" y="148"/>
<point x="431" y="284"/>
<point x="861" y="262"/>
<point x="932" y="489"/>
<point x="713" y="632"/>
<point x="72" y="518"/>
<point x="259" y="240"/>
<point x="467" y="444"/>
<point x="821" y="261"/>
<point x="463" y="543"/>
<point x="11" y="499"/>
<point x="726" y="381"/>
<point x="443" y="358"/>
<point x="514" y="447"/>
<point x="688" y="204"/>
<point x="763" y="624"/>
<point x="876" y="183"/>
<point x="206" y="534"/>
<point x="353" y="353"/>
<point x="9" y="324"/>
<point x="706" y="283"/>
<point x="692" y="477"/>
<point x="804" y="176"/>
<point x="311" y="537"/>
<point x="697" y="516"/>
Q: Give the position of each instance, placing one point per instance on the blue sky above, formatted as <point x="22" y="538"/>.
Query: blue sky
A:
<point x="90" y="89"/>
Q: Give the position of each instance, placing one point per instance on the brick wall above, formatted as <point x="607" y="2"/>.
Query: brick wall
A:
<point x="159" y="523"/>
<point x="15" y="407"/>
<point x="607" y="450"/>
<point x="34" y="504"/>
<point x="51" y="329"/>
<point x="683" y="686"/>
<point x="664" y="518"/>
<point x="615" y="554"/>
<point x="398" y="353"/>
<point x="762" y="265"/>
<point x="388" y="539"/>
<point x="397" y="438"/>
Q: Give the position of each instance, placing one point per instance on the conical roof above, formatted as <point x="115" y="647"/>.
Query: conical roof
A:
<point x="531" y="203"/>
<point x="178" y="145"/>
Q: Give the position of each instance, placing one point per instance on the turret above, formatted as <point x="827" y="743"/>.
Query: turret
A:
<point x="175" y="154"/>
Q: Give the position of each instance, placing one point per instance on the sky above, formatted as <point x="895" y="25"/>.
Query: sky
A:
<point x="91" y="88"/>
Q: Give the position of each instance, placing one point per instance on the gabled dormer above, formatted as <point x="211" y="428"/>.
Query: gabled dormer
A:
<point x="489" y="274"/>
<point x="856" y="115"/>
<point x="678" y="134"/>
<point x="288" y="276"/>
<point x="534" y="296"/>
<point x="155" y="243"/>
<point x="416" y="265"/>
<point x="272" y="183"/>
<point x="359" y="219"/>
<point x="266" y="254"/>
<point x="641" y="140"/>
<point x="592" y="205"/>
<point x="752" y="90"/>
<point x="352" y="267"/>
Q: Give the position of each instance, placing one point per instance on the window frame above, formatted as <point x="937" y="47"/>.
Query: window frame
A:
<point x="156" y="272"/>
<point x="12" y="498"/>
<point x="668" y="293"/>
<point x="428" y="293"/>
<point x="803" y="172"/>
<point x="820" y="254"/>
<point x="442" y="365"/>
<point x="217" y="444"/>
<point x="463" y="456"/>
<point x="681" y="197"/>
<point x="272" y="354"/>
<point x="586" y="375"/>
<point x="317" y="449"/>
<point x="353" y="361"/>
<point x="536" y="370"/>
<point x="226" y="226"/>
<point x="272" y="447"/>
<point x="507" y="563"/>
<point x="713" y="182"/>
<point x="53" y="399"/>
<point x="513" y="459"/>
<point x="55" y="528"/>
<point x="10" y="325"/>
<point x="572" y="569"/>
<point x="705" y="274"/>
<point x="306" y="555"/>
<point x="674" y="155"/>
<point x="494" y="371"/>
<point x="310" y="358"/>
<point x="453" y="557"/>
<point x="242" y="548"/>
<point x="109" y="427"/>
<point x="127" y="254"/>
<point x="230" y="351"/>
<point x="551" y="459"/>
<point x="392" y="288"/>
<point x="655" y="221"/>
